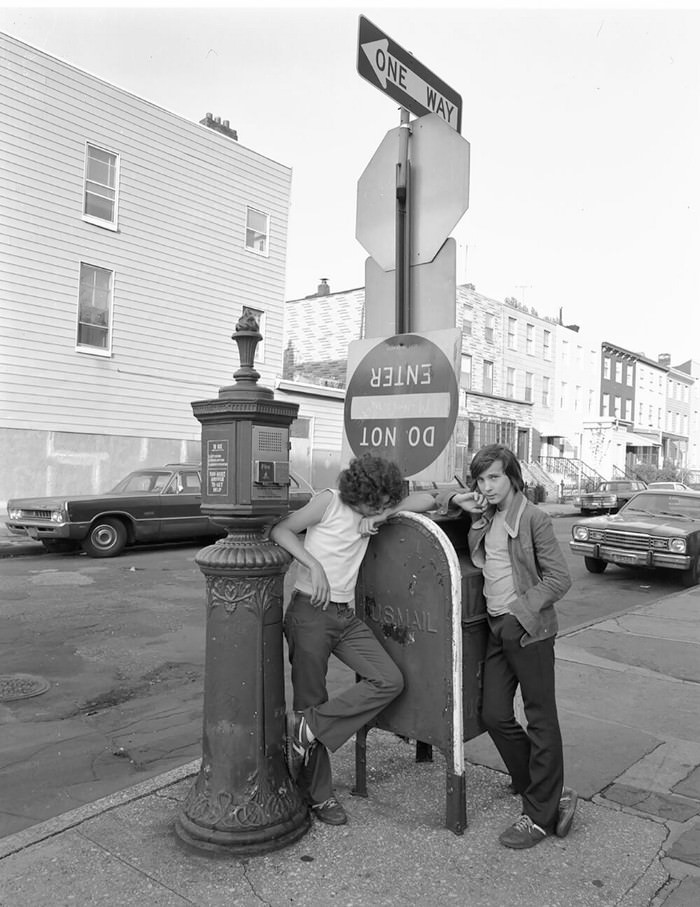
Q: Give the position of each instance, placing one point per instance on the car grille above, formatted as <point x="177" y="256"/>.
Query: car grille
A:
<point x="640" y="541"/>
<point x="35" y="515"/>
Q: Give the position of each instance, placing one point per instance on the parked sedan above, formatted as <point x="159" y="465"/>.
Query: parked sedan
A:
<point x="609" y="496"/>
<point x="159" y="504"/>
<point x="654" y="529"/>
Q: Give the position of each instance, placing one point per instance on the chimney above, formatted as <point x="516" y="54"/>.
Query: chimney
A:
<point x="323" y="288"/>
<point x="215" y="123"/>
<point x="665" y="360"/>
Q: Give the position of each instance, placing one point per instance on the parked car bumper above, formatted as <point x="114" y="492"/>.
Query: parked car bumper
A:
<point x="41" y="531"/>
<point x="612" y="555"/>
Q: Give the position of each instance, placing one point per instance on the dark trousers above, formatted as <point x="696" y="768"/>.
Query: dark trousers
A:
<point x="313" y="635"/>
<point x="534" y="757"/>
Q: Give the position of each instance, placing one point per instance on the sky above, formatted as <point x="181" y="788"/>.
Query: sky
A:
<point x="583" y="127"/>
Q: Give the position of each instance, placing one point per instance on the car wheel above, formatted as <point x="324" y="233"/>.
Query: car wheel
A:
<point x="691" y="576"/>
<point x="59" y="546"/>
<point x="594" y="564"/>
<point x="107" y="538"/>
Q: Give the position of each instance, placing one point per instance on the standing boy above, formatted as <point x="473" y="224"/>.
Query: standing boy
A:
<point x="525" y="573"/>
<point x="321" y="621"/>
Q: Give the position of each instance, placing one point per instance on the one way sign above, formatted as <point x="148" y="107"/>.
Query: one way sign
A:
<point x="397" y="73"/>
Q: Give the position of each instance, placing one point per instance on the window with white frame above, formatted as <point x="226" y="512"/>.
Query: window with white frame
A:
<point x="94" y="308"/>
<point x="547" y="344"/>
<point x="618" y="371"/>
<point x="259" y="316"/>
<point x="605" y="408"/>
<point x="488" y="377"/>
<point x="529" y="377"/>
<point x="510" y="382"/>
<point x="627" y="410"/>
<point x="546" y="390"/>
<point x="101" y="186"/>
<point x="467" y="320"/>
<point x="257" y="231"/>
<point x="618" y="408"/>
<point x="530" y="339"/>
<point x="466" y="377"/>
<point x="606" y="366"/>
<point x="563" y="396"/>
<point x="488" y="330"/>
<point x="629" y="375"/>
<point x="512" y="333"/>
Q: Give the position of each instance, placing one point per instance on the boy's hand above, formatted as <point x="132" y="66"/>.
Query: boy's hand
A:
<point x="369" y="525"/>
<point x="320" y="589"/>
<point x="470" y="501"/>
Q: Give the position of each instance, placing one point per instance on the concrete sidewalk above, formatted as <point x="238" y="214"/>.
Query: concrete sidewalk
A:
<point x="394" y="851"/>
<point x="629" y="718"/>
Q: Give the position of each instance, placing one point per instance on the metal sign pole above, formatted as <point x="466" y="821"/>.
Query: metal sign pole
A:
<point x="403" y="248"/>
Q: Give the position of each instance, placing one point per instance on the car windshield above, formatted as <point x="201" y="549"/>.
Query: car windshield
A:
<point x="143" y="481"/>
<point x="665" y="505"/>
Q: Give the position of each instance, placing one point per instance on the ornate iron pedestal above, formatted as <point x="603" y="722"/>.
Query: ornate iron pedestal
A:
<point x="243" y="800"/>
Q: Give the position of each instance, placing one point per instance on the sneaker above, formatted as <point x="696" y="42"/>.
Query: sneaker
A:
<point x="567" y="808"/>
<point x="524" y="833"/>
<point x="330" y="812"/>
<point x="298" y="746"/>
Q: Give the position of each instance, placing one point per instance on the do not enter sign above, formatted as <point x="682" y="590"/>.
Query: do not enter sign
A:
<point x="402" y="402"/>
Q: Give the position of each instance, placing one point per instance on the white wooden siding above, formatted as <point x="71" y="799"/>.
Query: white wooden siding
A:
<point x="181" y="272"/>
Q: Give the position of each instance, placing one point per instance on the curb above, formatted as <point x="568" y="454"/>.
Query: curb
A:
<point x="21" y="840"/>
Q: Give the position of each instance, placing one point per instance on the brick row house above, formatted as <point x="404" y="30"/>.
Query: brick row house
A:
<point x="545" y="388"/>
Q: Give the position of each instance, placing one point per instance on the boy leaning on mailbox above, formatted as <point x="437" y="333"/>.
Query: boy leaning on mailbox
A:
<point x="525" y="573"/>
<point x="320" y="620"/>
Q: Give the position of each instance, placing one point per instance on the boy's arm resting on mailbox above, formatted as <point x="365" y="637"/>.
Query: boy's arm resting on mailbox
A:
<point x="286" y="534"/>
<point x="416" y="502"/>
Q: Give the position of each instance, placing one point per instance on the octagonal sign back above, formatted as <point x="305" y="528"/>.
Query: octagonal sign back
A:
<point x="439" y="159"/>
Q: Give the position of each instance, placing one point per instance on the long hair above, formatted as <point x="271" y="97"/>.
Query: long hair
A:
<point x="487" y="455"/>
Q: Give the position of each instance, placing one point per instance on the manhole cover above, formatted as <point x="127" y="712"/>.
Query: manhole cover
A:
<point x="21" y="686"/>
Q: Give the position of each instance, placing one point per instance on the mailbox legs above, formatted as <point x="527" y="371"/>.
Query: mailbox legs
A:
<point x="243" y="800"/>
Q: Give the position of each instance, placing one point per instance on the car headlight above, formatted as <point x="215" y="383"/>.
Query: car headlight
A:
<point x="60" y="515"/>
<point x="14" y="513"/>
<point x="677" y="545"/>
<point x="580" y="533"/>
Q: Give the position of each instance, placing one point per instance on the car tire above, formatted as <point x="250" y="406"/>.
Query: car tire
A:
<point x="107" y="538"/>
<point x="595" y="565"/>
<point x="691" y="576"/>
<point x="59" y="546"/>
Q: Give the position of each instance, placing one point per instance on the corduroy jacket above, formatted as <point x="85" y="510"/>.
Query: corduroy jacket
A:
<point x="540" y="574"/>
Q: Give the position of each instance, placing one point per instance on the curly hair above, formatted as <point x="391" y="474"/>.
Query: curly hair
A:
<point x="487" y="455"/>
<point x="370" y="480"/>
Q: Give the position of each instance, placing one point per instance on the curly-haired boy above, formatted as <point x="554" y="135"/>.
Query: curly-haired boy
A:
<point x="321" y="621"/>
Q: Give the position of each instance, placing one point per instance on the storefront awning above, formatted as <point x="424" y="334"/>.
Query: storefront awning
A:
<point x="632" y="440"/>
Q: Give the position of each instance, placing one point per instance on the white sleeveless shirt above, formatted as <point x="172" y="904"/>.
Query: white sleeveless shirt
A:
<point x="337" y="544"/>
